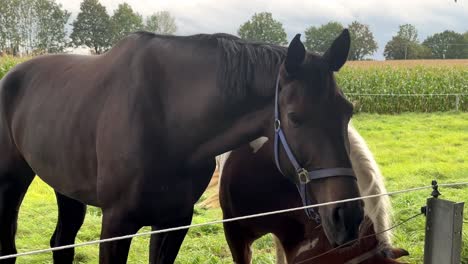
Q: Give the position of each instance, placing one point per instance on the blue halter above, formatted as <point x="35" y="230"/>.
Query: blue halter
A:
<point x="304" y="176"/>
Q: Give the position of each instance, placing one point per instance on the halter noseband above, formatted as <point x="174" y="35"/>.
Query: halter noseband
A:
<point x="303" y="175"/>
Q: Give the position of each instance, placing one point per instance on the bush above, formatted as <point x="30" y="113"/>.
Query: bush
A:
<point x="8" y="62"/>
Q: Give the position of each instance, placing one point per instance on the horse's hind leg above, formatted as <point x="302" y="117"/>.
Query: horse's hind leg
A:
<point x="71" y="214"/>
<point x="15" y="178"/>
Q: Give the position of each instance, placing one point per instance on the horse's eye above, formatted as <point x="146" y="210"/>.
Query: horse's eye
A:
<point x="294" y="119"/>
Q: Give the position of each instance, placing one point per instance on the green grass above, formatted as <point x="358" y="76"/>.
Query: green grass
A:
<point x="412" y="149"/>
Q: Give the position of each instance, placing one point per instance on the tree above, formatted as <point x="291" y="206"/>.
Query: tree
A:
<point x="125" y="21"/>
<point x="263" y="28"/>
<point x="17" y="21"/>
<point x="446" y="45"/>
<point x="162" y="23"/>
<point x="465" y="45"/>
<point x="408" y="32"/>
<point x="32" y="26"/>
<point x="362" y="41"/>
<point x="422" y="52"/>
<point x="3" y="27"/>
<point x="319" y="39"/>
<point x="405" y="45"/>
<point x="51" y="21"/>
<point x="9" y="26"/>
<point x="92" y="27"/>
<point x="401" y="49"/>
<point x="26" y="20"/>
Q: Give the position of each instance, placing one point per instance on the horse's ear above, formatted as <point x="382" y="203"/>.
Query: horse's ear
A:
<point x="296" y="55"/>
<point x="337" y="54"/>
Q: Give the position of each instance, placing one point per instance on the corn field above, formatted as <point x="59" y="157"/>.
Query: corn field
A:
<point x="390" y="86"/>
<point x="406" y="86"/>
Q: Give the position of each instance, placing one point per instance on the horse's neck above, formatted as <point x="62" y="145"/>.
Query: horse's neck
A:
<point x="240" y="130"/>
<point x="247" y="99"/>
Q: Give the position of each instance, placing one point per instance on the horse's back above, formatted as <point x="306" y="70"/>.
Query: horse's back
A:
<point x="55" y="107"/>
<point x="75" y="117"/>
<point x="48" y="112"/>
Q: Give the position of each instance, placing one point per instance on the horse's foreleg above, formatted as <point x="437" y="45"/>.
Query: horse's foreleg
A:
<point x="71" y="214"/>
<point x="116" y="223"/>
<point x="164" y="247"/>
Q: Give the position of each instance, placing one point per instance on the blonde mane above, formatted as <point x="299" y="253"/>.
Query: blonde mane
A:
<point x="370" y="181"/>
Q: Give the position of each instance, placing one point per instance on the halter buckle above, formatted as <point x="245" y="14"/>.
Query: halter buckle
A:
<point x="303" y="176"/>
<point x="277" y="125"/>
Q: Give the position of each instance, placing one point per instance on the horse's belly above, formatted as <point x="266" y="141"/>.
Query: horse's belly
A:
<point x="67" y="179"/>
<point x="59" y="147"/>
<point x="66" y="163"/>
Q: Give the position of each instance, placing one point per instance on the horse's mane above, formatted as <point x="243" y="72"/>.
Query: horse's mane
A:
<point x="240" y="61"/>
<point x="370" y="181"/>
<point x="243" y="65"/>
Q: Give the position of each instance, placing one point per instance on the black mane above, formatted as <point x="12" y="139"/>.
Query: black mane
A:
<point x="241" y="62"/>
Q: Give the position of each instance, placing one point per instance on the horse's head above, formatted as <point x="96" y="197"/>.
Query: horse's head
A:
<point x="311" y="123"/>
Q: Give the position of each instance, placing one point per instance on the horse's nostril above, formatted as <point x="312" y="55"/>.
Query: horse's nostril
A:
<point x="338" y="215"/>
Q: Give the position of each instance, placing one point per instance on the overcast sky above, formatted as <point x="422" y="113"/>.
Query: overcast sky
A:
<point x="383" y="16"/>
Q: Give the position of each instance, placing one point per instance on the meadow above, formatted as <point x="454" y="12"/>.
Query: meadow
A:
<point x="411" y="150"/>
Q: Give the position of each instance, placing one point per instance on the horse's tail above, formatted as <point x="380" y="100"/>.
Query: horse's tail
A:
<point x="280" y="252"/>
<point x="212" y="201"/>
<point x="370" y="182"/>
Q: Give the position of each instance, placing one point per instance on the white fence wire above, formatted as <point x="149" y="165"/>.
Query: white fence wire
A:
<point x="34" y="252"/>
<point x="456" y="95"/>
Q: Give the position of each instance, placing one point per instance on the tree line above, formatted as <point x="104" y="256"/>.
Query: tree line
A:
<point x="41" y="26"/>
<point x="404" y="45"/>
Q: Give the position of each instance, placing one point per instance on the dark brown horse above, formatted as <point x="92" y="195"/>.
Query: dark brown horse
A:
<point x="135" y="131"/>
<point x="249" y="183"/>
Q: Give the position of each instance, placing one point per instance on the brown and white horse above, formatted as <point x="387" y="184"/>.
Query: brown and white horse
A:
<point x="249" y="183"/>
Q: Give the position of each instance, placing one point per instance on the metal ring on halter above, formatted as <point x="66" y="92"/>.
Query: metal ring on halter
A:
<point x="277" y="125"/>
<point x="303" y="176"/>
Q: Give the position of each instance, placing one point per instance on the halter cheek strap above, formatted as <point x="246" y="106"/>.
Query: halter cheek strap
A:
<point x="304" y="176"/>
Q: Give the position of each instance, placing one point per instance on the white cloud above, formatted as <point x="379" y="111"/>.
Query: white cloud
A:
<point x="383" y="16"/>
